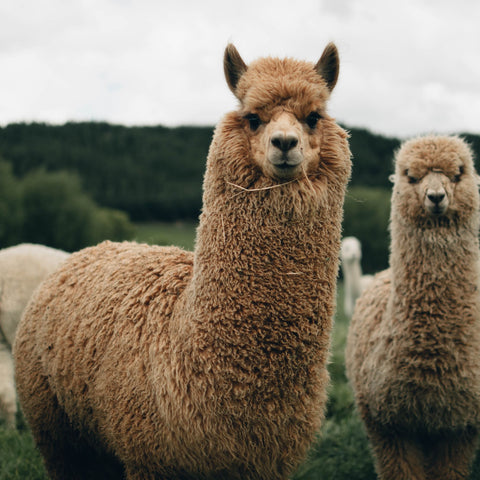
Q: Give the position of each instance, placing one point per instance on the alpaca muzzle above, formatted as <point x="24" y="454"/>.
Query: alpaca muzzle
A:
<point x="284" y="149"/>
<point x="436" y="200"/>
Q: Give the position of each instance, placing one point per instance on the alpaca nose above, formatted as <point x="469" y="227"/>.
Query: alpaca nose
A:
<point x="284" y="142"/>
<point x="436" y="197"/>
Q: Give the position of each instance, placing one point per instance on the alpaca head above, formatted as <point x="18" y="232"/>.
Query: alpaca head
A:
<point x="351" y="250"/>
<point x="435" y="181"/>
<point x="283" y="110"/>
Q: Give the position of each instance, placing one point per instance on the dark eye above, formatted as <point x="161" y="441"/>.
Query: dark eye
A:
<point x="253" y="120"/>
<point x="457" y="177"/>
<point x="410" y="178"/>
<point x="313" y="119"/>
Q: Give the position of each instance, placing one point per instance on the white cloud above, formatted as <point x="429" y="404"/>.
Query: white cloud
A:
<point x="406" y="68"/>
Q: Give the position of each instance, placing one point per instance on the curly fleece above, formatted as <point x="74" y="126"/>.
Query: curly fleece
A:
<point x="22" y="268"/>
<point x="169" y="364"/>
<point x="413" y="346"/>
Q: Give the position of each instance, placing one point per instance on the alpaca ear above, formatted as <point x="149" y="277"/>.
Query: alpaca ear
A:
<point x="329" y="65"/>
<point x="233" y="66"/>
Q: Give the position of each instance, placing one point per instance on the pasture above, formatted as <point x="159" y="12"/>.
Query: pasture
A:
<point x="341" y="451"/>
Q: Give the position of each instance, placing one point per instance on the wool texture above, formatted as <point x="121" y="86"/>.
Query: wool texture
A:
<point x="151" y="362"/>
<point x="22" y="268"/>
<point x="412" y="347"/>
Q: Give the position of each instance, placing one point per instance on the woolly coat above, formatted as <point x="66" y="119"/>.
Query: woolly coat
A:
<point x="412" y="348"/>
<point x="212" y="364"/>
<point x="354" y="282"/>
<point x="22" y="268"/>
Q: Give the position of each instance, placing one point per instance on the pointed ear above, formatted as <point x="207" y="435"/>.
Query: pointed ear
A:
<point x="233" y="66"/>
<point x="329" y="65"/>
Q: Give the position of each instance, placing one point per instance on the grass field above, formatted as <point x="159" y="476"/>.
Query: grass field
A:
<point x="341" y="451"/>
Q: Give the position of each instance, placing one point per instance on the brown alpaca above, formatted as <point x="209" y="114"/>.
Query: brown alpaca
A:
<point x="151" y="362"/>
<point x="413" y="346"/>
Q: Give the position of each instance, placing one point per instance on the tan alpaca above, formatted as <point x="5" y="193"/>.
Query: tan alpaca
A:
<point x="154" y="363"/>
<point x="413" y="346"/>
<point x="22" y="268"/>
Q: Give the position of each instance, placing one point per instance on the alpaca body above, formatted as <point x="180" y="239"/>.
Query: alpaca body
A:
<point x="220" y="373"/>
<point x="160" y="363"/>
<point x="419" y="374"/>
<point x="22" y="268"/>
<point x="412" y="346"/>
<point x="354" y="282"/>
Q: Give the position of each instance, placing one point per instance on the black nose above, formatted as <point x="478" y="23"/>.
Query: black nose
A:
<point x="284" y="142"/>
<point x="436" y="197"/>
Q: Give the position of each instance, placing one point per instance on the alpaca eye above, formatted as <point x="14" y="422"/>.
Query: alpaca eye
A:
<point x="313" y="119"/>
<point x="457" y="177"/>
<point x="410" y="178"/>
<point x="253" y="120"/>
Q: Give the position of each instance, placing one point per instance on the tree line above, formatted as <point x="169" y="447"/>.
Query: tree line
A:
<point x="150" y="172"/>
<point x="118" y="174"/>
<point x="52" y="209"/>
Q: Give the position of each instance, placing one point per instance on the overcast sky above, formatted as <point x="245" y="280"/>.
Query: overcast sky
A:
<point x="407" y="67"/>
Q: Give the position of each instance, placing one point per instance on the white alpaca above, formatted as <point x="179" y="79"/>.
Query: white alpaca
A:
<point x="353" y="280"/>
<point x="22" y="268"/>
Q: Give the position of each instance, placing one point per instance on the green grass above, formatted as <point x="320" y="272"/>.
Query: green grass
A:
<point x="18" y="457"/>
<point x="341" y="451"/>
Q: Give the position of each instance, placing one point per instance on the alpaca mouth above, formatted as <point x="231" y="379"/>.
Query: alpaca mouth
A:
<point x="437" y="210"/>
<point x="285" y="160"/>
<point x="285" y="166"/>
<point x="285" y="170"/>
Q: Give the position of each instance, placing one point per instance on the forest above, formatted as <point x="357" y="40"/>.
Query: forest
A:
<point x="71" y="185"/>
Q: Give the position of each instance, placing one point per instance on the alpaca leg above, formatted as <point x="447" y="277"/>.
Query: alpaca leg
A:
<point x="66" y="453"/>
<point x="49" y="426"/>
<point x="397" y="457"/>
<point x="8" y="396"/>
<point x="68" y="456"/>
<point x="65" y="450"/>
<point x="450" y="458"/>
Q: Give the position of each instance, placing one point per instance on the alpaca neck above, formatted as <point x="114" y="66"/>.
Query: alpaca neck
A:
<point x="282" y="263"/>
<point x="352" y="276"/>
<point x="436" y="269"/>
<point x="264" y="278"/>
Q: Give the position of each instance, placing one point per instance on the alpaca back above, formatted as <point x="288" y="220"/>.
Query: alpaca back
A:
<point x="22" y="268"/>
<point x="107" y="320"/>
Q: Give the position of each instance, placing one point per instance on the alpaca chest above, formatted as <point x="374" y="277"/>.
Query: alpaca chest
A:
<point x="414" y="395"/>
